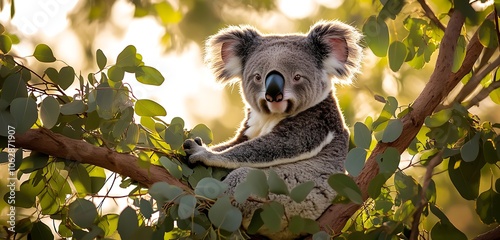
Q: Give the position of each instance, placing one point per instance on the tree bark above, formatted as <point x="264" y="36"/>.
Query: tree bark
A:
<point x="57" y="145"/>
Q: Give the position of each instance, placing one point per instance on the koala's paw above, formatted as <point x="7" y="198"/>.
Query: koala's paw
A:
<point x="196" y="150"/>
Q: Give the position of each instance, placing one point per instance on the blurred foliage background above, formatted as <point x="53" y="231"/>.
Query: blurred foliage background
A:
<point x="170" y="34"/>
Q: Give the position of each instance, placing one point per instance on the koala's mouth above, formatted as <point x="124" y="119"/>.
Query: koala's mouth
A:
<point x="282" y="107"/>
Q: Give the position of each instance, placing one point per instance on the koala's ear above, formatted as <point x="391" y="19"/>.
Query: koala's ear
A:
<point x="337" y="45"/>
<point x="226" y="50"/>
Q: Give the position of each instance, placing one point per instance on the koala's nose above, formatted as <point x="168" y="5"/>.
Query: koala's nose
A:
<point x="274" y="87"/>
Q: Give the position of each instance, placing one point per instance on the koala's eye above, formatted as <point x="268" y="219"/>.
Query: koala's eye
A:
<point x="258" y="77"/>
<point x="297" y="77"/>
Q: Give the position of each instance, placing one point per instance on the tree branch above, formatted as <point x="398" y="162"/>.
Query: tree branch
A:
<point x="57" y="145"/>
<point x="472" y="84"/>
<point x="430" y="14"/>
<point x="436" y="89"/>
<point x="493" y="234"/>
<point x="436" y="160"/>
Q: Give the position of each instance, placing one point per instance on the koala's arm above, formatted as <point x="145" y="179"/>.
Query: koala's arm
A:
<point x="293" y="139"/>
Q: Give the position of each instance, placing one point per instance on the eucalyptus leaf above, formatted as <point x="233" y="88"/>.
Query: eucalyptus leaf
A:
<point x="49" y="112"/>
<point x="43" y="53"/>
<point x="355" y="161"/>
<point x="344" y="185"/>
<point x="101" y="59"/>
<point x="149" y="108"/>
<point x="224" y="215"/>
<point x="82" y="212"/>
<point x="300" y="192"/>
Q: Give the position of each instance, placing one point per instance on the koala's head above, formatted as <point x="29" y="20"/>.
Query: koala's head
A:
<point x="285" y="74"/>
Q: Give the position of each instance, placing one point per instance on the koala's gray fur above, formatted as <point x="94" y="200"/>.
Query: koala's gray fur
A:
<point x="303" y="137"/>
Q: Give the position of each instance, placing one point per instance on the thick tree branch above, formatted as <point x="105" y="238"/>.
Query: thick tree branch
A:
<point x="441" y="82"/>
<point x="57" y="145"/>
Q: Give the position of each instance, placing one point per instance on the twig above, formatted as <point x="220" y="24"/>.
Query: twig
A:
<point x="483" y="94"/>
<point x="430" y="14"/>
<point x="436" y="160"/>
<point x="472" y="84"/>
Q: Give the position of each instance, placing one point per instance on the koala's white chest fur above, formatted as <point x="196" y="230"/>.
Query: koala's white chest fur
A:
<point x="261" y="124"/>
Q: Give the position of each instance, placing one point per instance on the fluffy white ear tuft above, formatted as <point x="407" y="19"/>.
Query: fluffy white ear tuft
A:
<point x="338" y="46"/>
<point x="226" y="50"/>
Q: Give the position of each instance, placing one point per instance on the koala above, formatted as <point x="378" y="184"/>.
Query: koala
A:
<point x="293" y="123"/>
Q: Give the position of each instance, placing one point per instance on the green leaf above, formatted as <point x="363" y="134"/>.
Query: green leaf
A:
<point x="43" y="53"/>
<point x="127" y="58"/>
<point x="439" y="118"/>
<point x="187" y="206"/>
<point x="271" y="215"/>
<point x="127" y="223"/>
<point x="345" y="186"/>
<point x="256" y="223"/>
<point x="116" y="73"/>
<point x="149" y="108"/>
<point x="172" y="167"/>
<point x="242" y="192"/>
<point x="5" y="43"/>
<point x="376" y="184"/>
<point x="397" y="55"/>
<point x="14" y="87"/>
<point x="300" y="192"/>
<point x="487" y="34"/>
<point x="258" y="181"/>
<point x="82" y="212"/>
<point x="376" y="35"/>
<point x="459" y="56"/>
<point x="387" y="113"/>
<point x="33" y="162"/>
<point x="487" y="206"/>
<point x="163" y="192"/>
<point x="446" y="231"/>
<point x="174" y="136"/>
<point x="489" y="152"/>
<point x="202" y="131"/>
<point x="66" y="77"/>
<point x="224" y="215"/>
<point x="388" y="161"/>
<point x="104" y="100"/>
<point x="108" y="223"/>
<point x="391" y="9"/>
<point x="149" y="75"/>
<point x="355" y="161"/>
<point x="276" y="184"/>
<point x="72" y="108"/>
<point x="101" y="59"/>
<point x="465" y="176"/>
<point x="167" y="13"/>
<point x="210" y="188"/>
<point x="49" y="112"/>
<point x="40" y="231"/>
<point x="392" y="131"/>
<point x="470" y="150"/>
<point x="25" y="113"/>
<point x="97" y="177"/>
<point x="406" y="186"/>
<point x="321" y="235"/>
<point x="362" y="135"/>
<point x="495" y="96"/>
<point x="81" y="180"/>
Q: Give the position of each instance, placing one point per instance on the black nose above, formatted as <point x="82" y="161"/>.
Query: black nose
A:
<point x="274" y="87"/>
